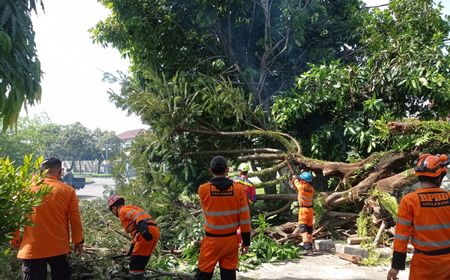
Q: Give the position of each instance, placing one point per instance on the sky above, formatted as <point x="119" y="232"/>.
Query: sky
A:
<point x="72" y="87"/>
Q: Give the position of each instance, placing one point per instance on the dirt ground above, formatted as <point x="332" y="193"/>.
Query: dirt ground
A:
<point x="321" y="267"/>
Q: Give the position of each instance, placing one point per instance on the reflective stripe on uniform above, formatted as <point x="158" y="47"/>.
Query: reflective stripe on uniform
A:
<point x="431" y="243"/>
<point x="226" y="213"/>
<point x="226" y="226"/>
<point x="432" y="227"/>
<point x="401" y="237"/>
<point x="245" y="222"/>
<point x="404" y="222"/>
<point x="129" y="214"/>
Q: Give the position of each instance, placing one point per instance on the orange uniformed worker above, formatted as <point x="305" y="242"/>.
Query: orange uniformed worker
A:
<point x="54" y="223"/>
<point x="225" y="208"/>
<point x="142" y="228"/>
<point x="305" y="191"/>
<point x="424" y="219"/>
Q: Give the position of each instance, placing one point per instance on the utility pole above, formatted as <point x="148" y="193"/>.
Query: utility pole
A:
<point x="106" y="158"/>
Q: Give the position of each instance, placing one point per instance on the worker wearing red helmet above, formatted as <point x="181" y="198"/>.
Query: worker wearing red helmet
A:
<point x="302" y="184"/>
<point x="424" y="220"/>
<point x="142" y="228"/>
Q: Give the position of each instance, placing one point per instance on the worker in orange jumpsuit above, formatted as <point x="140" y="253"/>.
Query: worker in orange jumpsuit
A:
<point x="143" y="230"/>
<point x="55" y="223"/>
<point x="424" y="220"/>
<point x="225" y="208"/>
<point x="302" y="184"/>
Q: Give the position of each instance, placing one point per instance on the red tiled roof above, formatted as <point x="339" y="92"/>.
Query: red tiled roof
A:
<point x="130" y="134"/>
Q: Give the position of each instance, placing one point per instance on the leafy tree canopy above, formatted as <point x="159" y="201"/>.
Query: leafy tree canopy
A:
<point x="402" y="69"/>
<point x="259" y="45"/>
<point x="20" y="69"/>
<point x="40" y="136"/>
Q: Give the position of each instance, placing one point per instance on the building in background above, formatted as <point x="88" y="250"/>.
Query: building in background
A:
<point x="127" y="137"/>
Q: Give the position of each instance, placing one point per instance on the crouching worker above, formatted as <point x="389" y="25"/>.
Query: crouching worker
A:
<point x="142" y="228"/>
<point x="225" y="208"/>
<point x="302" y="185"/>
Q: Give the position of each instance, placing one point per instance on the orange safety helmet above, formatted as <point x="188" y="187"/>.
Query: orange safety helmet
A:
<point x="431" y="166"/>
<point x="113" y="199"/>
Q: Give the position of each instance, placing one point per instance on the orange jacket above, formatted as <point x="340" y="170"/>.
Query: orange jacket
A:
<point x="54" y="221"/>
<point x="225" y="206"/>
<point x="305" y="193"/>
<point x="423" y="218"/>
<point x="130" y="215"/>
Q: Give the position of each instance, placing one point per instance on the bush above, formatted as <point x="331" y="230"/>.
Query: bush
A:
<point x="16" y="198"/>
<point x="16" y="204"/>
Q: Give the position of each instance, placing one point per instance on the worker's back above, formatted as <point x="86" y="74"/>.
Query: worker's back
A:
<point x="49" y="234"/>
<point x="225" y="208"/>
<point x="431" y="218"/>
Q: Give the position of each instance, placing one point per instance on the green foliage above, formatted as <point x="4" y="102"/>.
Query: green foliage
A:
<point x="20" y="69"/>
<point x="387" y="201"/>
<point x="401" y="70"/>
<point x="428" y="136"/>
<point x="319" y="209"/>
<point x="16" y="197"/>
<point x="264" y="249"/>
<point x="40" y="136"/>
<point x="364" y="226"/>
<point x="254" y="44"/>
<point x="375" y="258"/>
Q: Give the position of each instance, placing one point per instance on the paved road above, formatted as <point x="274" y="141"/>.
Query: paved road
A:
<point x="95" y="190"/>
<point x="322" y="267"/>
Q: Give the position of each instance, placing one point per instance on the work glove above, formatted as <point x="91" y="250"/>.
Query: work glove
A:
<point x="142" y="228"/>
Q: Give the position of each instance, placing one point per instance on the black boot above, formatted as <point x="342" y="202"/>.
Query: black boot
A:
<point x="227" y="274"/>
<point x="200" y="275"/>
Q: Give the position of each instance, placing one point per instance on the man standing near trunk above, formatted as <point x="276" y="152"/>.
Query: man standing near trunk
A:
<point x="225" y="208"/>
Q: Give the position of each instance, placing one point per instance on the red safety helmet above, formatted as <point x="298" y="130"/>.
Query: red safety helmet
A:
<point x="113" y="199"/>
<point x="431" y="166"/>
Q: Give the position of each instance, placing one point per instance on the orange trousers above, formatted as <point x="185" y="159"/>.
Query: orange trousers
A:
<point x="306" y="216"/>
<point x="222" y="250"/>
<point x="143" y="247"/>
<point x="430" y="267"/>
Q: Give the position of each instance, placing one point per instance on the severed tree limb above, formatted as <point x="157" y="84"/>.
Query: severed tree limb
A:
<point x="281" y="196"/>
<point x="390" y="184"/>
<point x="179" y="275"/>
<point x="231" y="152"/>
<point x="261" y="157"/>
<point x="382" y="170"/>
<point x="277" y="181"/>
<point x="285" y="207"/>
<point x="272" y="169"/>
<point x="379" y="233"/>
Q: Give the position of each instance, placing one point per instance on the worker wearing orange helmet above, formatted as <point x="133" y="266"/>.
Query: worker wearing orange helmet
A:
<point x="302" y="184"/>
<point x="142" y="228"/>
<point x="225" y="208"/>
<point x="424" y="220"/>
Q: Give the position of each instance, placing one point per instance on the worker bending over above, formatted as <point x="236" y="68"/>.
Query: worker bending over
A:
<point x="143" y="230"/>
<point x="424" y="219"/>
<point x="225" y="208"/>
<point x="302" y="184"/>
